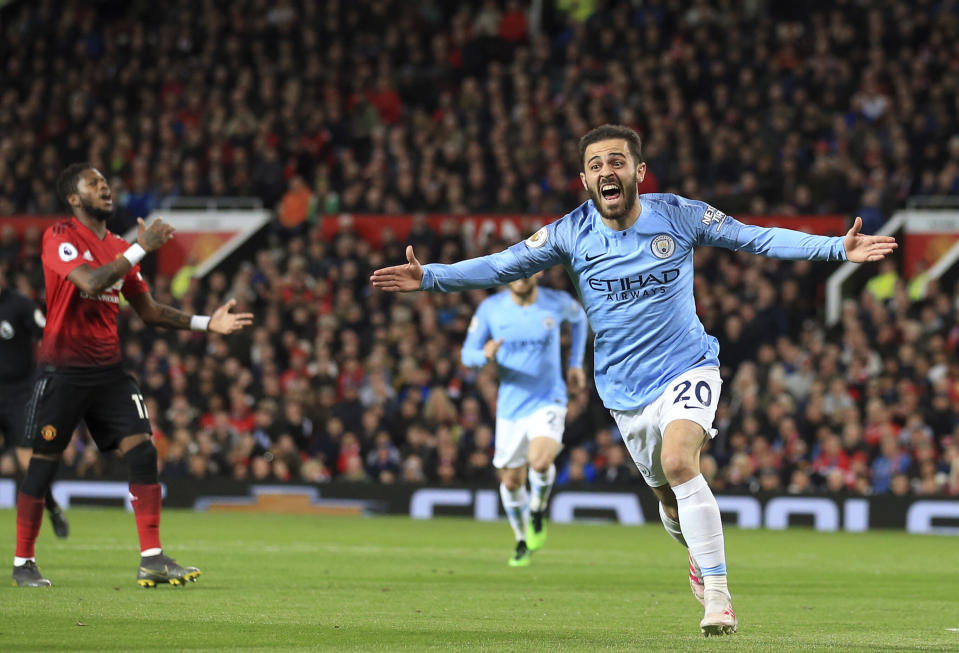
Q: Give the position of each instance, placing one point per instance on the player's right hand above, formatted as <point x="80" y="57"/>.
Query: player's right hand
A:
<point x="155" y="236"/>
<point x="400" y="278"/>
<point x="490" y="349"/>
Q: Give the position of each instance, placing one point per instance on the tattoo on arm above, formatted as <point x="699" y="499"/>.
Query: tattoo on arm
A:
<point x="105" y="276"/>
<point x="167" y="316"/>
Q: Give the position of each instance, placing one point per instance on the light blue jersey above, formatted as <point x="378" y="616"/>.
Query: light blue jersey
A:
<point x="530" y="369"/>
<point x="636" y="284"/>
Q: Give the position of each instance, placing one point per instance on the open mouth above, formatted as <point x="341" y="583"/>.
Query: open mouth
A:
<point x="610" y="192"/>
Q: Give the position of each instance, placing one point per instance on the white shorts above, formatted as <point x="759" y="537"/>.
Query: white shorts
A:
<point x="513" y="435"/>
<point x="692" y="395"/>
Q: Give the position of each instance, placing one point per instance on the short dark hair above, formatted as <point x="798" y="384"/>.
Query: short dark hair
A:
<point x="68" y="180"/>
<point x="609" y="132"/>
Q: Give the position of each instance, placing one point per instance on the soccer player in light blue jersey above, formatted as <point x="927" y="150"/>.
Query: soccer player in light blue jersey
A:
<point x="520" y="329"/>
<point x="656" y="368"/>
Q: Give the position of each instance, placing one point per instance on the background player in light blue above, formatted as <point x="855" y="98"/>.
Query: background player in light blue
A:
<point x="656" y="368"/>
<point x="519" y="328"/>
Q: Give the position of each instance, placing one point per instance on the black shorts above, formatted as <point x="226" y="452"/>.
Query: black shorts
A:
<point x="106" y="398"/>
<point x="13" y="401"/>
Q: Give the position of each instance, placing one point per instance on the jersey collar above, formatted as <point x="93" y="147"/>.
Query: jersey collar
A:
<point x="92" y="232"/>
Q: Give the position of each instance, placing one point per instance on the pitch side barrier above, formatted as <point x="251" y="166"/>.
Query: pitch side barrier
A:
<point x="628" y="505"/>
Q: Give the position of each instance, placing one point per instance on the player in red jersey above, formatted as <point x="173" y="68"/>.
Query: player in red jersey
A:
<point x="86" y="268"/>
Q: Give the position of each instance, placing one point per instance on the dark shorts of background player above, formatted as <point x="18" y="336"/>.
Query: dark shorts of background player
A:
<point x="106" y="398"/>
<point x="13" y="402"/>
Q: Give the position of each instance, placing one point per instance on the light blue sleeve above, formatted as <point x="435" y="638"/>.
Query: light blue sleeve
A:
<point x="540" y="251"/>
<point x="477" y="336"/>
<point x="576" y="316"/>
<point x="713" y="227"/>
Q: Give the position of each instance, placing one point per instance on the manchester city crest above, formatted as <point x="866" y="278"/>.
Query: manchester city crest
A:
<point x="663" y="246"/>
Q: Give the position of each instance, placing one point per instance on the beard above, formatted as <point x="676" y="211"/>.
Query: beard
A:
<point x="630" y="193"/>
<point x="97" y="214"/>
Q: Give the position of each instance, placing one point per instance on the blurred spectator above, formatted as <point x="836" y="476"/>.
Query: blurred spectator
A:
<point x="578" y="468"/>
<point x="294" y="207"/>
<point x="616" y="469"/>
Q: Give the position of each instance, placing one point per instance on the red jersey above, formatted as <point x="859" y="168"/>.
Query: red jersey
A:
<point x="81" y="329"/>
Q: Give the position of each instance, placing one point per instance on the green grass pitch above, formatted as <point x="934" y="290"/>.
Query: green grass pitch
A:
<point x="287" y="583"/>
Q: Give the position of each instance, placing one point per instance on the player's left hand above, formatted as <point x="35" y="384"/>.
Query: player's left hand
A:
<point x="861" y="248"/>
<point x="155" y="236"/>
<point x="225" y="322"/>
<point x="575" y="379"/>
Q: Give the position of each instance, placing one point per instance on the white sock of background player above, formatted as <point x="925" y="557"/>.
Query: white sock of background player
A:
<point x="516" y="504"/>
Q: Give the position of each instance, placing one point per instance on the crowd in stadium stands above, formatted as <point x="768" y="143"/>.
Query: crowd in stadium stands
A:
<point x="475" y="106"/>
<point x="338" y="381"/>
<point x="386" y="106"/>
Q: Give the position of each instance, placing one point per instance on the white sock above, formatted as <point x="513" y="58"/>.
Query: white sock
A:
<point x="716" y="584"/>
<point x="716" y="594"/>
<point x="151" y="552"/>
<point x="672" y="526"/>
<point x="540" y="486"/>
<point x="19" y="562"/>
<point x="701" y="525"/>
<point x="516" y="504"/>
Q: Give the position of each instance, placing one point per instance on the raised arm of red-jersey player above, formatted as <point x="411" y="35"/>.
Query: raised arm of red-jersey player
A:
<point x="61" y="255"/>
<point x="93" y="281"/>
<point x="157" y="314"/>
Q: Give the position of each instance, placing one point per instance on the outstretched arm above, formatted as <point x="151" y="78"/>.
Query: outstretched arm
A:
<point x="524" y="259"/>
<point x="716" y="228"/>
<point x="482" y="272"/>
<point x="162" y="315"/>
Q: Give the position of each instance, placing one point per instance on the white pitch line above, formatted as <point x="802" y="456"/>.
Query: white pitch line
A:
<point x="206" y="546"/>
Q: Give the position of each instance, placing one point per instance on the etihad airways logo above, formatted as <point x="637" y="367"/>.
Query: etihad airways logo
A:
<point x="634" y="287"/>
